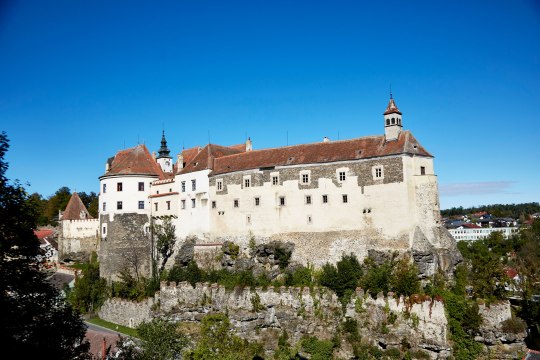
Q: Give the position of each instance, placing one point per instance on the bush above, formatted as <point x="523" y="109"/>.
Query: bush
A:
<point x="319" y="349"/>
<point x="514" y="325"/>
<point x="343" y="278"/>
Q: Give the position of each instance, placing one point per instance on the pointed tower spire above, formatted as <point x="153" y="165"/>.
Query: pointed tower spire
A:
<point x="163" y="158"/>
<point x="392" y="120"/>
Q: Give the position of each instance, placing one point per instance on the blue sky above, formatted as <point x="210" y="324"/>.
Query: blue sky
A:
<point x="81" y="80"/>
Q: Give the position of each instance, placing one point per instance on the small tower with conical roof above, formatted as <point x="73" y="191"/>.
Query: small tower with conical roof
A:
<point x="164" y="159"/>
<point x="392" y="121"/>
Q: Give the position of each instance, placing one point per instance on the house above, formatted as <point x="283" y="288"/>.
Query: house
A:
<point x="328" y="198"/>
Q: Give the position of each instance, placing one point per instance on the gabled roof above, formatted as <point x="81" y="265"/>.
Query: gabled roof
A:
<point x="75" y="208"/>
<point x="392" y="108"/>
<point x="133" y="161"/>
<point x="321" y="152"/>
<point x="205" y="158"/>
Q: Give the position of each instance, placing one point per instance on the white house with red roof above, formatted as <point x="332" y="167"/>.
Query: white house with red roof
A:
<point x="328" y="198"/>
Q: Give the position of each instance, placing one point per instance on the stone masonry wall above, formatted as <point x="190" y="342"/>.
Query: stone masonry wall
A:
<point x="125" y="246"/>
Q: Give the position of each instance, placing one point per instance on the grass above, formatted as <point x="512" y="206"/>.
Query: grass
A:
<point x="112" y="326"/>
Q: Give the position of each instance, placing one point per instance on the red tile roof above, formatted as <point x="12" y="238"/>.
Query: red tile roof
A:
<point x="206" y="157"/>
<point x="471" y="226"/>
<point x="134" y="161"/>
<point x="392" y="108"/>
<point x="42" y="234"/>
<point x="321" y="152"/>
<point x="189" y="154"/>
<point x="74" y="209"/>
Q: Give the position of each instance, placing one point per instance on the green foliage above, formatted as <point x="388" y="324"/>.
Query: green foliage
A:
<point x="302" y="276"/>
<point x="318" y="349"/>
<point x="36" y="321"/>
<point x="283" y="256"/>
<point x="256" y="303"/>
<point x="161" y="340"/>
<point x="132" y="289"/>
<point x="463" y="320"/>
<point x="165" y="240"/>
<point x="404" y="279"/>
<point x="377" y="278"/>
<point x="342" y="278"/>
<point x="216" y="341"/>
<point x="350" y="326"/>
<point x="500" y="210"/>
<point x="284" y="350"/>
<point x="90" y="289"/>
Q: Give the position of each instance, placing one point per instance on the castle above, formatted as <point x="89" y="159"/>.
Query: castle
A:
<point x="368" y="194"/>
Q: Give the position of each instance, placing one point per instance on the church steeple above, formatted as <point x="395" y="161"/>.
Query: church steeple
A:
<point x="164" y="159"/>
<point x="163" y="150"/>
<point x="392" y="120"/>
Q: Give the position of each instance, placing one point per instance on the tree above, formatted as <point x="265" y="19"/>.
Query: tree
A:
<point x="405" y="278"/>
<point x="57" y="202"/>
<point x="91" y="202"/>
<point x="90" y="289"/>
<point x="217" y="341"/>
<point x="161" y="340"/>
<point x="36" y="321"/>
<point x="166" y="238"/>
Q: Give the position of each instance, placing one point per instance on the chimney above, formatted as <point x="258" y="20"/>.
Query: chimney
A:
<point x="154" y="155"/>
<point x="107" y="166"/>
<point x="249" y="145"/>
<point x="326" y="139"/>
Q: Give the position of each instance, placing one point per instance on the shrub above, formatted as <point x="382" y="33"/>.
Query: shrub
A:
<point x="319" y="349"/>
<point x="514" y="325"/>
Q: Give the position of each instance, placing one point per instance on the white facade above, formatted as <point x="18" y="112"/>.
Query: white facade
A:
<point x="466" y="234"/>
<point x="193" y="204"/>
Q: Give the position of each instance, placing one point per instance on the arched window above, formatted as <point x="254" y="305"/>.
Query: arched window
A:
<point x="387" y="121"/>
<point x="393" y="121"/>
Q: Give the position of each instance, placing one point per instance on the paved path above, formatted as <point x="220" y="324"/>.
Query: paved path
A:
<point x="97" y="335"/>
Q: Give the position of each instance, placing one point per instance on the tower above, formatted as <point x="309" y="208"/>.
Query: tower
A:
<point x="164" y="159"/>
<point x="392" y="121"/>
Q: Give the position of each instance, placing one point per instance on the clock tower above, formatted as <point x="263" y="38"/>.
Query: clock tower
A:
<point x="164" y="159"/>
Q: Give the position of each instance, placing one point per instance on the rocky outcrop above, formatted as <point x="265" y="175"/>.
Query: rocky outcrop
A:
<point x="263" y="314"/>
<point x="501" y="333"/>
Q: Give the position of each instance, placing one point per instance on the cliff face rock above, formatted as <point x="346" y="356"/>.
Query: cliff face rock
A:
<point x="501" y="339"/>
<point x="263" y="314"/>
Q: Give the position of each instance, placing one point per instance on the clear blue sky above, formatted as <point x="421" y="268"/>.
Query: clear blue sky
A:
<point x="80" y="80"/>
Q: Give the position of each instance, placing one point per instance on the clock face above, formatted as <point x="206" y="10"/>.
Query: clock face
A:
<point x="167" y="163"/>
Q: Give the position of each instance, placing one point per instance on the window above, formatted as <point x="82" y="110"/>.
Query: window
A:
<point x="387" y="121"/>
<point x="275" y="180"/>
<point x="325" y="199"/>
<point x="235" y="204"/>
<point x="345" y="199"/>
<point x="118" y="205"/>
<point x="104" y="206"/>
<point x="342" y="176"/>
<point x="193" y="185"/>
<point x="378" y="172"/>
<point x="422" y="170"/>
<point x="308" y="199"/>
<point x="309" y="219"/>
<point x="104" y="230"/>
<point x="183" y="186"/>
<point x="248" y="219"/>
<point x="257" y="201"/>
<point x="213" y="204"/>
<point x="119" y="186"/>
<point x="141" y="186"/>
<point x="219" y="185"/>
<point x="168" y="205"/>
<point x="104" y="188"/>
<point x="183" y="204"/>
<point x="156" y="206"/>
<point x="393" y="121"/>
<point x="141" y="204"/>
<point x="305" y="178"/>
<point x="247" y="182"/>
<point x="192" y="203"/>
<point x="282" y="201"/>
